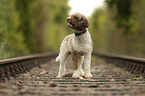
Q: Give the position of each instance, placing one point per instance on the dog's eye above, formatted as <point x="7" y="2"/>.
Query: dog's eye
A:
<point x="81" y="18"/>
<point x="76" y="17"/>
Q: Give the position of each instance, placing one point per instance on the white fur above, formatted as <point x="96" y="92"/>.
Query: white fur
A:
<point x="82" y="45"/>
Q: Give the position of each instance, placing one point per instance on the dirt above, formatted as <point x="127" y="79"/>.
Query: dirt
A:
<point x="107" y="80"/>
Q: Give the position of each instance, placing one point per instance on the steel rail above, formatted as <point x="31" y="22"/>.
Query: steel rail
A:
<point x="132" y="64"/>
<point x="107" y="80"/>
<point x="15" y="66"/>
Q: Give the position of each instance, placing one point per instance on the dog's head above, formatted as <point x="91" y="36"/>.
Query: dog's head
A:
<point x="78" y="22"/>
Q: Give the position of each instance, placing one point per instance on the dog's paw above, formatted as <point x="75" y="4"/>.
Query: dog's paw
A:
<point x="88" y="75"/>
<point x="76" y="76"/>
<point x="82" y="72"/>
<point x="58" y="76"/>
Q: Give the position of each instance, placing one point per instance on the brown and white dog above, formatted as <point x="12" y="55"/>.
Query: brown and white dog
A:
<point x="79" y="45"/>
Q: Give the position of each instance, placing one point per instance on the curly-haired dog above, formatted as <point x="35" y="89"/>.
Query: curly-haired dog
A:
<point x="79" y="45"/>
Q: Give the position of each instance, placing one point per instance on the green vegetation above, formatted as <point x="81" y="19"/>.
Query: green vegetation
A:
<point x="119" y="27"/>
<point x="31" y="26"/>
<point x="36" y="26"/>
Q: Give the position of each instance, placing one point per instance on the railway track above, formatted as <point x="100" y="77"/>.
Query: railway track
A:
<point x="36" y="75"/>
<point x="132" y="64"/>
<point x="14" y="67"/>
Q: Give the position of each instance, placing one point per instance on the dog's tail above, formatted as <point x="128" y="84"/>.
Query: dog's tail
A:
<point x="57" y="58"/>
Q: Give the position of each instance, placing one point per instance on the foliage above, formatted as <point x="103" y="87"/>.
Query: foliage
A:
<point x="36" y="26"/>
<point x="10" y="38"/>
<point x="121" y="10"/>
<point x="116" y="31"/>
<point x="31" y="26"/>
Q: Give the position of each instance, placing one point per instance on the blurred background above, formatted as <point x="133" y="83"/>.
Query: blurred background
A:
<point x="37" y="26"/>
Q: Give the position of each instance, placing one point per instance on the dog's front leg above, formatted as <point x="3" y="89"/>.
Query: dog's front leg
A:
<point x="87" y="65"/>
<point x="75" y="59"/>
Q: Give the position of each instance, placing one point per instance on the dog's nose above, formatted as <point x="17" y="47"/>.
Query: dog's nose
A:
<point x="68" y="19"/>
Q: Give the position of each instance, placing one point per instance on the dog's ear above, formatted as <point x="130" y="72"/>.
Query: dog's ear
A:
<point x="85" y="23"/>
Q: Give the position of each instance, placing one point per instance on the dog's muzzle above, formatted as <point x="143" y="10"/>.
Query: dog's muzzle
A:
<point x="68" y="19"/>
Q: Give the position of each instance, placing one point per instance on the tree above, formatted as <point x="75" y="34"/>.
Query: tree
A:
<point x="122" y="29"/>
<point x="31" y="26"/>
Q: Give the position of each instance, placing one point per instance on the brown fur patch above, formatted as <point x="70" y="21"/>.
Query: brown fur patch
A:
<point x="78" y="22"/>
<point x="75" y="60"/>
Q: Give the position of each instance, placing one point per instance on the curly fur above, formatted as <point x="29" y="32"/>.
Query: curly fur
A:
<point x="80" y="47"/>
<point x="77" y="22"/>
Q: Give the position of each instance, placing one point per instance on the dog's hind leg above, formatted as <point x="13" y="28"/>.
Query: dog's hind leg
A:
<point x="63" y="57"/>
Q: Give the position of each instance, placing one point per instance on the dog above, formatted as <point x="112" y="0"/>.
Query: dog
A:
<point x="79" y="45"/>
